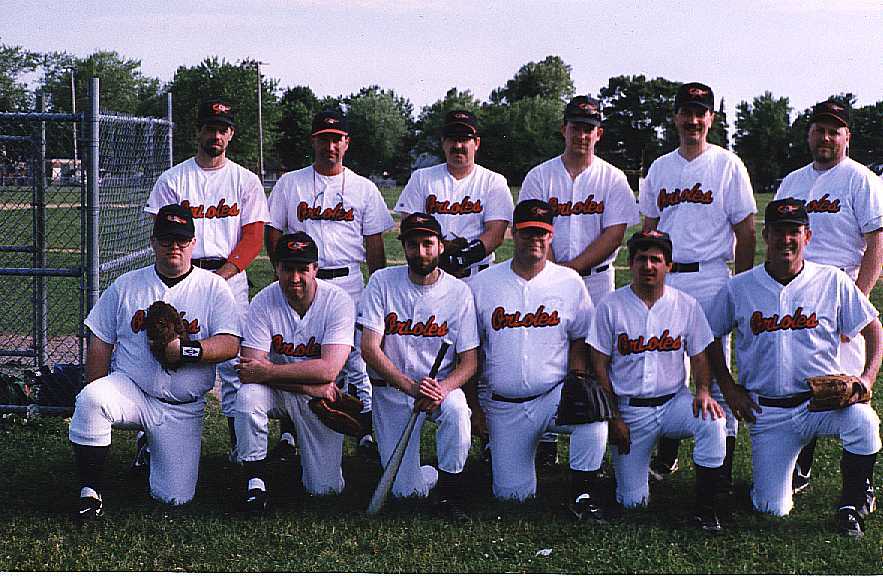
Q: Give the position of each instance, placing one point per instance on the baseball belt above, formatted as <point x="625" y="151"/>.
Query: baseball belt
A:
<point x="208" y="263"/>
<point x="785" y="401"/>
<point x="650" y="402"/>
<point x="378" y="383"/>
<point x="176" y="402"/>
<point x="597" y="270"/>
<point x="499" y="398"/>
<point x="329" y="273"/>
<point x="478" y="269"/>
<point x="685" y="267"/>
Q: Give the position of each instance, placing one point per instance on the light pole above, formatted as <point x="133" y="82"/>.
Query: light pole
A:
<point x="257" y="67"/>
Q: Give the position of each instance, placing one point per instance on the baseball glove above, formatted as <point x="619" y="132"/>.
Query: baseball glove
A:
<point x="163" y="324"/>
<point x="835" y="391"/>
<point x="341" y="415"/>
<point x="582" y="401"/>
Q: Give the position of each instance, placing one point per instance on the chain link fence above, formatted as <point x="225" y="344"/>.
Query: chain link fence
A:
<point x="72" y="194"/>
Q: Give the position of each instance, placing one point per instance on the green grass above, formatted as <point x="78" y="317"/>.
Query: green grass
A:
<point x="334" y="534"/>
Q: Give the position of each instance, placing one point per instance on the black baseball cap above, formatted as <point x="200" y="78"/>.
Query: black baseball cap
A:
<point x="533" y="214"/>
<point x="460" y="124"/>
<point x="830" y="110"/>
<point x="215" y="111"/>
<point x="299" y="248"/>
<point x="786" y="211"/>
<point x="173" y="221"/>
<point x="694" y="93"/>
<point x="331" y="121"/>
<point x="419" y="223"/>
<point x="650" y="239"/>
<point x="583" y="110"/>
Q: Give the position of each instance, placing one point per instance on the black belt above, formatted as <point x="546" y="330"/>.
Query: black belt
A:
<point x="520" y="400"/>
<point x="597" y="270"/>
<point x="208" y="263"/>
<point x="481" y="267"/>
<point x="685" y="267"/>
<point x="650" y="402"/>
<point x="785" y="401"/>
<point x="378" y="383"/>
<point x="176" y="402"/>
<point x="329" y="273"/>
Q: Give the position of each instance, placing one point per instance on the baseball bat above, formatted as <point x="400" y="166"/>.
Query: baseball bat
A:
<point x="395" y="461"/>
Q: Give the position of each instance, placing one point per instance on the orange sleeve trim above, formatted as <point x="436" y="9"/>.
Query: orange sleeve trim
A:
<point x="249" y="246"/>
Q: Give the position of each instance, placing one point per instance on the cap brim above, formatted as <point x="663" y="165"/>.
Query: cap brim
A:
<point x="534" y="224"/>
<point x="829" y="116"/>
<point x="582" y="120"/>
<point x="696" y="103"/>
<point x="420" y="230"/>
<point x="172" y="234"/>
<point x="216" y="120"/>
<point x="459" y="129"/>
<point x="330" y="131"/>
<point x="788" y="221"/>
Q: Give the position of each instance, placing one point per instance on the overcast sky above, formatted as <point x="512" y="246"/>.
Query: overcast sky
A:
<point x="803" y="49"/>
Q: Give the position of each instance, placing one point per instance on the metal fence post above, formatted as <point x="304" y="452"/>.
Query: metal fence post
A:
<point x="38" y="203"/>
<point x="93" y="198"/>
<point x="169" y="118"/>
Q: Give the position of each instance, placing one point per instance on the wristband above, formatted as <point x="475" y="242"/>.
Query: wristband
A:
<point x="191" y="351"/>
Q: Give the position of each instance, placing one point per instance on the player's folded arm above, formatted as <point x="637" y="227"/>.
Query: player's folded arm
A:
<point x="300" y="376"/>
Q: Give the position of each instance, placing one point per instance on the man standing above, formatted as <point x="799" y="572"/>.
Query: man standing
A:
<point x="345" y="214"/>
<point x="788" y="315"/>
<point x="700" y="195"/>
<point x="533" y="317"/>
<point x="406" y="313"/>
<point x="468" y="200"/>
<point x="844" y="201"/>
<point x="639" y="338"/>
<point x="593" y="206"/>
<point x="229" y="209"/>
<point x="128" y="388"/>
<point x="298" y="334"/>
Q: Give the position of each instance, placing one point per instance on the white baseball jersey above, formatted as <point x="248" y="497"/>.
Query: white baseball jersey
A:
<point x="275" y="327"/>
<point x="526" y="326"/>
<point x="414" y="320"/>
<point x="206" y="304"/>
<point x="336" y="211"/>
<point x="843" y="203"/>
<point x="222" y="201"/>
<point x="698" y="202"/>
<point x="598" y="198"/>
<point x="462" y="207"/>
<point x="785" y="334"/>
<point x="647" y="346"/>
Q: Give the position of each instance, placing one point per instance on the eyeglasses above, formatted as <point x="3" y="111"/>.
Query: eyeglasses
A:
<point x="179" y="242"/>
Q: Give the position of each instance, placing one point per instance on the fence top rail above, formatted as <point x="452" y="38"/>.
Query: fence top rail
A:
<point x="124" y="118"/>
<point x="42" y="116"/>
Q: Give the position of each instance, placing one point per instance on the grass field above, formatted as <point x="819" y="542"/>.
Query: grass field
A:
<point x="334" y="534"/>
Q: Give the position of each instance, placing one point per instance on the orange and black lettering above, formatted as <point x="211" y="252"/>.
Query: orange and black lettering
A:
<point x="501" y="319"/>
<point x="428" y="329"/>
<point x="662" y="343"/>
<point x="796" y="321"/>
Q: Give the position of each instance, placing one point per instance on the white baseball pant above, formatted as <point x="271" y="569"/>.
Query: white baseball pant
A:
<point x="226" y="370"/>
<point x="355" y="371"/>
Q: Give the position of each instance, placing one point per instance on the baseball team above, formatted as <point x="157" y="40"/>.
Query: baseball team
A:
<point x="515" y="333"/>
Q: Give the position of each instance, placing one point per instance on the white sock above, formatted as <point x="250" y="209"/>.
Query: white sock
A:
<point x="87" y="492"/>
<point x="257" y="483"/>
<point x="288" y="438"/>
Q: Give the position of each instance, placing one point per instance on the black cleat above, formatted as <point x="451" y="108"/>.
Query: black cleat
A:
<point x="141" y="464"/>
<point x="586" y="509"/>
<point x="547" y="455"/>
<point x="799" y="479"/>
<point x="451" y="509"/>
<point x="90" y="509"/>
<point x="661" y="470"/>
<point x="706" y="518"/>
<point x="256" y="501"/>
<point x="870" y="504"/>
<point x="284" y="451"/>
<point x="368" y="448"/>
<point x="849" y="523"/>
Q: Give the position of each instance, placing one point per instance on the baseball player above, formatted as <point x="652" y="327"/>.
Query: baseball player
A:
<point x="533" y="316"/>
<point x="405" y="315"/>
<point x="639" y="337"/>
<point x="229" y="209"/>
<point x="788" y="316"/>
<point x="346" y="215"/>
<point x="700" y="195"/>
<point x="844" y="201"/>
<point x="593" y="206"/>
<point x="298" y="334"/>
<point x="128" y="388"/>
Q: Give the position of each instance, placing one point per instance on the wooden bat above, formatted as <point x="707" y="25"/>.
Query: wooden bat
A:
<point x="395" y="461"/>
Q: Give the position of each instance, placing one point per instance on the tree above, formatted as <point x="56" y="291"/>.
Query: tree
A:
<point x="297" y="108"/>
<point x="237" y="83"/>
<point x="123" y="88"/>
<point x="547" y="79"/>
<point x="379" y="124"/>
<point x="432" y="117"/>
<point x="761" y="139"/>
<point x="16" y="62"/>
<point x="866" y="140"/>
